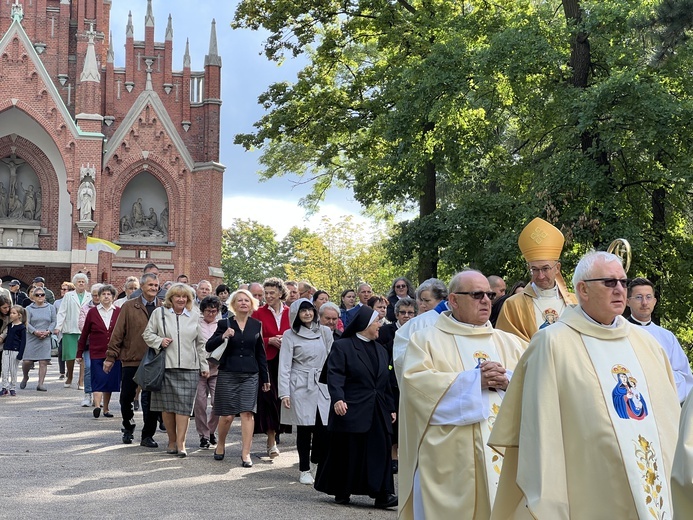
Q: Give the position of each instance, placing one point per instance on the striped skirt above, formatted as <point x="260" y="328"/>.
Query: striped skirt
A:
<point x="177" y="394"/>
<point x="236" y="392"/>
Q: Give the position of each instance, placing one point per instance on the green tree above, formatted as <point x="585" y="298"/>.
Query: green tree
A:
<point x="481" y="116"/>
<point x="249" y="253"/>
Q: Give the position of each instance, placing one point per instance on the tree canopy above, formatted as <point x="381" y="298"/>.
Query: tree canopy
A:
<point x="483" y="115"/>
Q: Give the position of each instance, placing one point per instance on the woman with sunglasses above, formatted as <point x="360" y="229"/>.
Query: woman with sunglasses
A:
<point x="401" y="288"/>
<point x="41" y="318"/>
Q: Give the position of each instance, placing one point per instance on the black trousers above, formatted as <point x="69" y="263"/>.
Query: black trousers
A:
<point x="310" y="443"/>
<point x="128" y="389"/>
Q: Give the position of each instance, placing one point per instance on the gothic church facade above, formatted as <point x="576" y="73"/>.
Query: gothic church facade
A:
<point x="126" y="154"/>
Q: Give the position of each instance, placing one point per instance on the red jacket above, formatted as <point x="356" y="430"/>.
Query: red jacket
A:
<point x="269" y="327"/>
<point x="97" y="334"/>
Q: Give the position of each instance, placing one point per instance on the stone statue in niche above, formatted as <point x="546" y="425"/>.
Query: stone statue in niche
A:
<point x="3" y="201"/>
<point x="18" y="203"/>
<point x="125" y="224"/>
<point x="163" y="220"/>
<point x="137" y="214"/>
<point x="151" y="219"/>
<point x="15" y="210"/>
<point x="86" y="195"/>
<point x="13" y="163"/>
<point x="29" y="202"/>
<point x="144" y="228"/>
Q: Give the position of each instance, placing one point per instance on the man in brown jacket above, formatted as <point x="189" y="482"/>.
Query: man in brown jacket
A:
<point x="128" y="346"/>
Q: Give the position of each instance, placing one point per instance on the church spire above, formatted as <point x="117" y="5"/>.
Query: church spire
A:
<point x="213" y="57"/>
<point x="90" y="72"/>
<point x="169" y="29"/>
<point x="110" y="57"/>
<point x="149" y="19"/>
<point x="130" y="29"/>
<point x="186" y="56"/>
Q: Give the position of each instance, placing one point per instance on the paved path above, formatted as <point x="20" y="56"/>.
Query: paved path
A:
<point x="57" y="461"/>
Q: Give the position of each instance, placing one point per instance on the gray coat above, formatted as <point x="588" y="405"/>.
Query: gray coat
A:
<point x="301" y="359"/>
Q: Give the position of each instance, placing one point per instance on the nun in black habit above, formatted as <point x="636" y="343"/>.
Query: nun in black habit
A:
<point x="359" y="458"/>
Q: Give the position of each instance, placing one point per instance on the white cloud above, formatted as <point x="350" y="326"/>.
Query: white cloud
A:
<point x="281" y="215"/>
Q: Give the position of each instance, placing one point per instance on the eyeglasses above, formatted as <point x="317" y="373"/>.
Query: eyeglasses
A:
<point x="642" y="298"/>
<point x="38" y="295"/>
<point x="478" y="295"/>
<point x="406" y="313"/>
<point x="610" y="282"/>
<point x="63" y="288"/>
<point x="534" y="271"/>
<point x="211" y="311"/>
<point x="400" y="286"/>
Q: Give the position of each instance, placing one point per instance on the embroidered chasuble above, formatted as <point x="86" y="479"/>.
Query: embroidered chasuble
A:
<point x="525" y="313"/>
<point x="446" y="470"/>
<point x="588" y="425"/>
<point x="682" y="473"/>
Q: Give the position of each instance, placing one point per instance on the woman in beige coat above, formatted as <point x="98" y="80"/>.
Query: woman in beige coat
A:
<point x="305" y="401"/>
<point x="175" y="327"/>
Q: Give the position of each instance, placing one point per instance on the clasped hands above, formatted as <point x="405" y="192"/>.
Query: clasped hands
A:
<point x="493" y="376"/>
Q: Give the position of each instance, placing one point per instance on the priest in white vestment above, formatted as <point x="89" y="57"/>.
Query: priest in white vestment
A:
<point x="682" y="474"/>
<point x="588" y="424"/>
<point x="453" y="381"/>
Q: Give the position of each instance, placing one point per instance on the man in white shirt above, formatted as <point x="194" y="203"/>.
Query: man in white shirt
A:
<point x="642" y="301"/>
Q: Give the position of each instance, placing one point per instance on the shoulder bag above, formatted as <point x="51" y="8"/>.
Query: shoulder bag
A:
<point x="150" y="373"/>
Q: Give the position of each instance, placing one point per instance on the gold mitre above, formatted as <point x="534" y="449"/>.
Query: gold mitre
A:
<point x="540" y="240"/>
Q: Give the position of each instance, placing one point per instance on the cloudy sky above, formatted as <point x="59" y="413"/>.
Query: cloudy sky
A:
<point x="246" y="73"/>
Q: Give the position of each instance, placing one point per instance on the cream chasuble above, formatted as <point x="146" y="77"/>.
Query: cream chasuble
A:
<point x="682" y="473"/>
<point x="585" y="405"/>
<point x="453" y="466"/>
<point x="523" y="314"/>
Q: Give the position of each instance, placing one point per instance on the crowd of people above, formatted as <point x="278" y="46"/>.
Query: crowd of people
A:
<point x="488" y="403"/>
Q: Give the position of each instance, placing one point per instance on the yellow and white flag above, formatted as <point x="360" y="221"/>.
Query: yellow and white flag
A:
<point x="99" y="244"/>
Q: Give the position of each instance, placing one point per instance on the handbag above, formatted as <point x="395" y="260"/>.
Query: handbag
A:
<point x="150" y="373"/>
<point x="54" y="345"/>
<point x="216" y="354"/>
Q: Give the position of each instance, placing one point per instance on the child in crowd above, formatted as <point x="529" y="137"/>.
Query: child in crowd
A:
<point x="13" y="349"/>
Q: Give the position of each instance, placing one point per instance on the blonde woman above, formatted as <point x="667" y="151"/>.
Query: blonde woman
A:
<point x="175" y="328"/>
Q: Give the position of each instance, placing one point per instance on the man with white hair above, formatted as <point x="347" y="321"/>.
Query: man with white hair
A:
<point x="453" y="380"/>
<point x="588" y="425"/>
<point x="132" y="284"/>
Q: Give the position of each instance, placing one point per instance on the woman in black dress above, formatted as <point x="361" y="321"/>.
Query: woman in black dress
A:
<point x="240" y="366"/>
<point x="358" y="460"/>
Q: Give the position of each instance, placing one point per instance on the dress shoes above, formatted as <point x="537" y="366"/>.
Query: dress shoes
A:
<point x="127" y="437"/>
<point x="386" y="501"/>
<point x="342" y="501"/>
<point x="148" y="442"/>
<point x="219" y="456"/>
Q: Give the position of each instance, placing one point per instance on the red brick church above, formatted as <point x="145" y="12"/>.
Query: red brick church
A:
<point x="87" y="148"/>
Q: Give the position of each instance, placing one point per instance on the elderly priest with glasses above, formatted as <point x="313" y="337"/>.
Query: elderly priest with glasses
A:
<point x="546" y="297"/>
<point x="588" y="426"/>
<point x="454" y="376"/>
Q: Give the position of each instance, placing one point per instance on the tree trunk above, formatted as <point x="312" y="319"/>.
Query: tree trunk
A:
<point x="658" y="226"/>
<point x="428" y="252"/>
